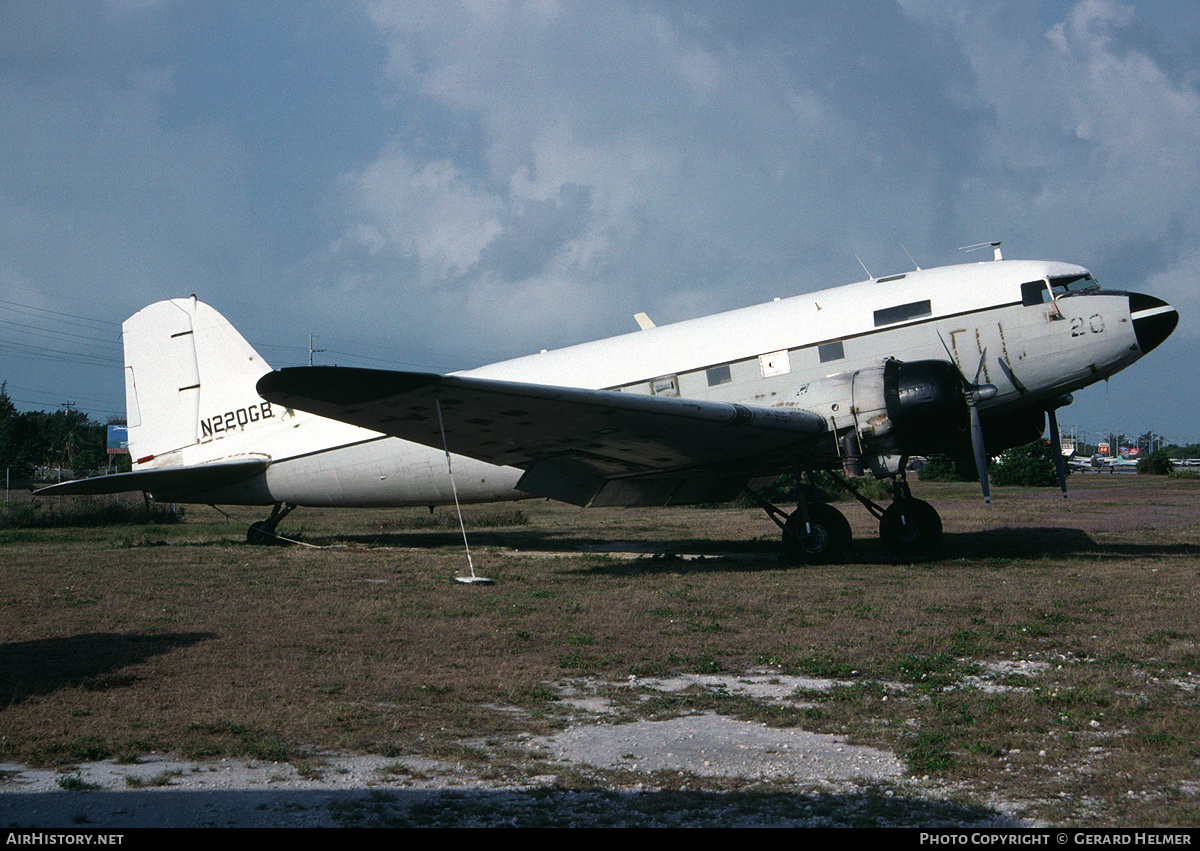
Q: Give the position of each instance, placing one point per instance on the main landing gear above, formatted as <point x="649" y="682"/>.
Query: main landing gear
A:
<point x="909" y="528"/>
<point x="817" y="533"/>
<point x="823" y="537"/>
<point x="263" y="532"/>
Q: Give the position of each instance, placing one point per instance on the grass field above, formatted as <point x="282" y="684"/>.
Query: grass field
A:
<point x="1049" y="656"/>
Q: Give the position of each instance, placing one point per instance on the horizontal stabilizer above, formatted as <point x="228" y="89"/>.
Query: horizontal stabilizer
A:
<point x="175" y="480"/>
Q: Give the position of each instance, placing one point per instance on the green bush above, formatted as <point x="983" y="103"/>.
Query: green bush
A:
<point x="939" y="468"/>
<point x="1031" y="465"/>
<point x="1157" y="463"/>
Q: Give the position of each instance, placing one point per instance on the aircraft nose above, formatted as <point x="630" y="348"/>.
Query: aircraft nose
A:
<point x="1153" y="320"/>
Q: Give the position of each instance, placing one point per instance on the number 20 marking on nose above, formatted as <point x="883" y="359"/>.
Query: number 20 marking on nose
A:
<point x="1093" y="324"/>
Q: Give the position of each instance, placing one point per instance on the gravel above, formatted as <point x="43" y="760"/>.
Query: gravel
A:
<point x="783" y="777"/>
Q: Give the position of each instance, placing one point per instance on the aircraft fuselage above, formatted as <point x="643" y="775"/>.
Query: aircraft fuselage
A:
<point x="1001" y="324"/>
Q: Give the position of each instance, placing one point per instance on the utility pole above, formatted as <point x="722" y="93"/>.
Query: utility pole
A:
<point x="311" y="350"/>
<point x="68" y="447"/>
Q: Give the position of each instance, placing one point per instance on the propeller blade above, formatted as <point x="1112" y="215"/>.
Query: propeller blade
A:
<point x="973" y="393"/>
<point x="1060" y="463"/>
<point x="979" y="392"/>
<point x="980" y="451"/>
<point x="979" y="368"/>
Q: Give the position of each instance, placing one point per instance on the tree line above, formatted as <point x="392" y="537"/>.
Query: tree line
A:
<point x="33" y="440"/>
<point x="1144" y="443"/>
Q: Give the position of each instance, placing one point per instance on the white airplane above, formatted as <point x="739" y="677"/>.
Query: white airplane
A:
<point x="965" y="360"/>
<point x="1082" y="463"/>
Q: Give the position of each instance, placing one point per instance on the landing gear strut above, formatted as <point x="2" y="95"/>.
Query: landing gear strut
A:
<point x="263" y="532"/>
<point x="909" y="528"/>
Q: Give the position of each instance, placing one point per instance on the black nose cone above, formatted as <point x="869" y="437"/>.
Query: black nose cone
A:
<point x="1153" y="320"/>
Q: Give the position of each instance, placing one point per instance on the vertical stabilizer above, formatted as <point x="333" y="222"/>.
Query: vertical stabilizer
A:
<point x="186" y="368"/>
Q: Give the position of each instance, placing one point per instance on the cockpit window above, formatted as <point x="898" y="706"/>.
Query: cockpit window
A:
<point x="1072" y="285"/>
<point x="1034" y="292"/>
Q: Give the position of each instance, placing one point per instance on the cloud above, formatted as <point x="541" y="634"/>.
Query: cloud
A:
<point x="126" y="207"/>
<point x="1099" y="140"/>
<point x="430" y="211"/>
<point x="682" y="159"/>
<point x="645" y="157"/>
<point x="490" y="178"/>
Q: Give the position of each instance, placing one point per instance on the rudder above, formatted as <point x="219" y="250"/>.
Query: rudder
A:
<point x="185" y="367"/>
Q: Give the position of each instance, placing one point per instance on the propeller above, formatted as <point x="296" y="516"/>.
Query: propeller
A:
<point x="1060" y="463"/>
<point x="973" y="394"/>
<point x="976" y="393"/>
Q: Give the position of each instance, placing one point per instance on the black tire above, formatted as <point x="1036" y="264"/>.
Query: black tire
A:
<point x="259" y="534"/>
<point x="910" y="528"/>
<point x="828" y="542"/>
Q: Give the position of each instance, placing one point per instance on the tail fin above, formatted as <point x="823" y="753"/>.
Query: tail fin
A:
<point x="189" y="376"/>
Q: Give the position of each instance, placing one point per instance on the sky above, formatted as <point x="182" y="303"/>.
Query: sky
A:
<point x="439" y="185"/>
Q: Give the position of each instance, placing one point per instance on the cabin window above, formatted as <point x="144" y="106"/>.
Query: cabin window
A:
<point x="831" y="351"/>
<point x="718" y="375"/>
<point x="668" y="385"/>
<point x="901" y="312"/>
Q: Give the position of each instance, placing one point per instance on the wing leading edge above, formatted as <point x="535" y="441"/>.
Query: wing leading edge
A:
<point x="587" y="447"/>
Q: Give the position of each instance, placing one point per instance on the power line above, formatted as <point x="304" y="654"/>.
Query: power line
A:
<point x="32" y="310"/>
<point x="36" y="331"/>
<point x="53" y="394"/>
<point x="28" y="350"/>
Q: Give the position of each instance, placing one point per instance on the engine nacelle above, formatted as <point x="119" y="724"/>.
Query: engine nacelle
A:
<point x="927" y="406"/>
<point x="882" y="413"/>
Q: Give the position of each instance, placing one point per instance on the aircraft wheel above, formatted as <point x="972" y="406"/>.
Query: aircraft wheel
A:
<point x="828" y="542"/>
<point x="258" y="533"/>
<point x="910" y="528"/>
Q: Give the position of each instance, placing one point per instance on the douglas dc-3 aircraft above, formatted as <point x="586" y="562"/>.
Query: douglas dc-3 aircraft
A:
<point x="964" y="360"/>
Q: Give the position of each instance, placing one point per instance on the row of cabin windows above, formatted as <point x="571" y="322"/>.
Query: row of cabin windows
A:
<point x="1034" y="292"/>
<point x="768" y="365"/>
<point x="715" y="376"/>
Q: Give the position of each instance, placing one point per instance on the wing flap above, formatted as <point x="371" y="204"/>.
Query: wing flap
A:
<point x="176" y="480"/>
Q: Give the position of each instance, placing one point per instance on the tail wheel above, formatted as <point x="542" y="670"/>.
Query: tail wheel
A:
<point x="261" y="533"/>
<point x="910" y="528"/>
<point x="825" y="540"/>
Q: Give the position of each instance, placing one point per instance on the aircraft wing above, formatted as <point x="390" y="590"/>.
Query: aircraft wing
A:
<point x="587" y="447"/>
<point x="196" y="478"/>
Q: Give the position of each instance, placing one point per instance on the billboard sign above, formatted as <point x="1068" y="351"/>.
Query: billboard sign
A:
<point x="118" y="440"/>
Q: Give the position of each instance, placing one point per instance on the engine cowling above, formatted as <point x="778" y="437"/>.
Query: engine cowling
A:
<point x="926" y="406"/>
<point x="898" y="408"/>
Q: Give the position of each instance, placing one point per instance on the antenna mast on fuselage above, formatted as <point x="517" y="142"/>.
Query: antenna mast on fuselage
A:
<point x="996" y="255"/>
